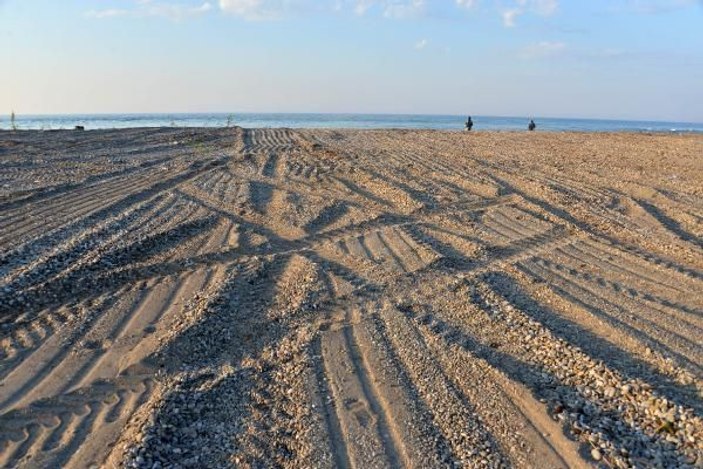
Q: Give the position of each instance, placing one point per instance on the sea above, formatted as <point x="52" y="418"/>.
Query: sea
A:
<point x="354" y="121"/>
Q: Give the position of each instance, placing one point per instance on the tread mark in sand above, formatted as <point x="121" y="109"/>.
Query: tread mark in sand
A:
<point x="366" y="428"/>
<point x="50" y="430"/>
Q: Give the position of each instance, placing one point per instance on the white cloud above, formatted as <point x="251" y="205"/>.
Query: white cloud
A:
<point x="403" y="9"/>
<point x="509" y="16"/>
<point x="421" y="44"/>
<point x="108" y="13"/>
<point x="362" y="6"/>
<point x="249" y="9"/>
<point x="252" y="10"/>
<point x="261" y="10"/>
<point x="398" y="9"/>
<point x="542" y="50"/>
<point x="176" y="12"/>
<point x="149" y="8"/>
<point x="521" y="7"/>
<point x="466" y="3"/>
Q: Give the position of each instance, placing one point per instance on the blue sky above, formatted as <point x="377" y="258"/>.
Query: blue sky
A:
<point x="632" y="59"/>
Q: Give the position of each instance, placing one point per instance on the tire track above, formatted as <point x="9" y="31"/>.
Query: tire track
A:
<point x="80" y="203"/>
<point x="115" y="340"/>
<point x="617" y="347"/>
<point x="503" y="405"/>
<point x="335" y="434"/>
<point x="667" y="300"/>
<point x="149" y="190"/>
<point x="51" y="431"/>
<point x="373" y="423"/>
<point x="671" y="318"/>
<point x="364" y="423"/>
<point x="87" y="247"/>
<point x="651" y="333"/>
<point x="452" y="412"/>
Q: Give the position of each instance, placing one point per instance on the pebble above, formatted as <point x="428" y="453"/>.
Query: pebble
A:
<point x="596" y="454"/>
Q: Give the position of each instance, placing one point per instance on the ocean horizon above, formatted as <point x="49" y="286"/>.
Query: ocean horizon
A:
<point x="352" y="121"/>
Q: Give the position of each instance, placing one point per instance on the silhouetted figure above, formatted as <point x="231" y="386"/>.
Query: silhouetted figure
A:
<point x="531" y="126"/>
<point x="469" y="124"/>
<point x="79" y="127"/>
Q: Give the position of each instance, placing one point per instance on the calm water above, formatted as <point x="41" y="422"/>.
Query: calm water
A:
<point x="358" y="121"/>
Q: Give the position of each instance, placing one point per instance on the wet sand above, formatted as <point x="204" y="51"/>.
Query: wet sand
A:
<point x="339" y="298"/>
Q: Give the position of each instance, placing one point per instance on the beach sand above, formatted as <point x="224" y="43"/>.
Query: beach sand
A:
<point x="339" y="298"/>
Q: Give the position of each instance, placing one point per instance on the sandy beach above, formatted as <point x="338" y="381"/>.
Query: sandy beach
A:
<point x="343" y="298"/>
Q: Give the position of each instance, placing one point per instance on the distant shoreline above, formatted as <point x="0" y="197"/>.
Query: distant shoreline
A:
<point x="337" y="121"/>
<point x="380" y="129"/>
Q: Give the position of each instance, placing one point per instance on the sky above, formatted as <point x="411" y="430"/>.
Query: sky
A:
<point x="613" y="59"/>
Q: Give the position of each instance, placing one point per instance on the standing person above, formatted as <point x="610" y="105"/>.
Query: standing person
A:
<point x="531" y="126"/>
<point x="469" y="124"/>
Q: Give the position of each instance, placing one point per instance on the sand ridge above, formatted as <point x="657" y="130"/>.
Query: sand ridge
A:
<point x="339" y="298"/>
